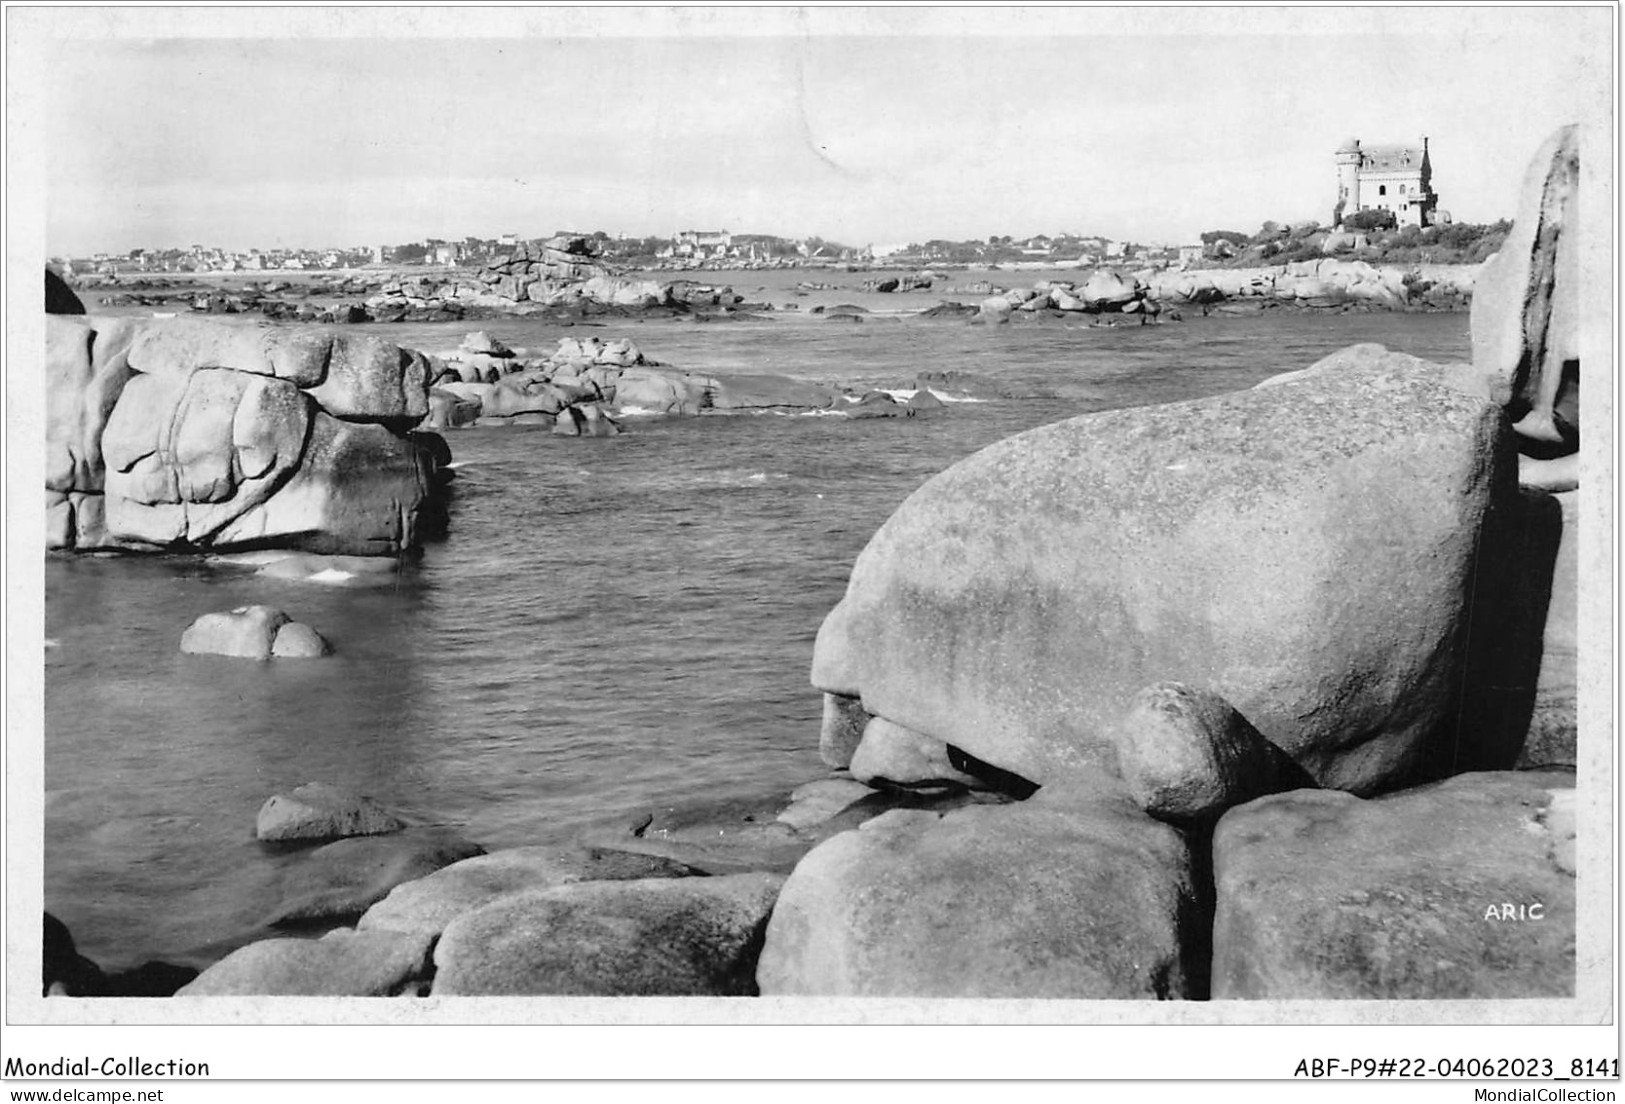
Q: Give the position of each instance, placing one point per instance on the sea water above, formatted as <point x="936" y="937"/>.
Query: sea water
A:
<point x="611" y="624"/>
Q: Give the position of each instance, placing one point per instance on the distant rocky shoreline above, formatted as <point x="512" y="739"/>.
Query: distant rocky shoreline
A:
<point x="562" y="281"/>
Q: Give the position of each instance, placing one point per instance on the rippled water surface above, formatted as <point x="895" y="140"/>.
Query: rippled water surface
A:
<point x="609" y="623"/>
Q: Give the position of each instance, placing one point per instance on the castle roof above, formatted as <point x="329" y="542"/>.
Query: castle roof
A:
<point x="1391" y="159"/>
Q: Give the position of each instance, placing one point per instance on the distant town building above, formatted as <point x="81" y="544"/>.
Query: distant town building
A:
<point x="703" y="243"/>
<point x="1386" y="178"/>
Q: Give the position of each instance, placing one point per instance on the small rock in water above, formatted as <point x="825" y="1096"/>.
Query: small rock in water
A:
<point x="317" y="811"/>
<point x="246" y="632"/>
<point x="299" y="641"/>
<point x="253" y="632"/>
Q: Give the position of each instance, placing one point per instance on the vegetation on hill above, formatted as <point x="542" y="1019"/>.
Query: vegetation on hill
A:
<point x="1383" y="243"/>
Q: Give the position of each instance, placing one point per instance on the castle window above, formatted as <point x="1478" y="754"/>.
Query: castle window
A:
<point x="1402" y="189"/>
<point x="1382" y="189"/>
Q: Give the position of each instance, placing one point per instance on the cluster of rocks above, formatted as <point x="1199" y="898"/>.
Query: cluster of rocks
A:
<point x="560" y="275"/>
<point x="1324" y="284"/>
<point x="274" y="299"/>
<point x="1320" y="285"/>
<point x="588" y="386"/>
<point x="254" y="632"/>
<point x="921" y="282"/>
<point x="665" y="903"/>
<point x="1104" y="291"/>
<point x="186" y="435"/>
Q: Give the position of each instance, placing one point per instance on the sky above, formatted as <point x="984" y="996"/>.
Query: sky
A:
<point x="311" y="127"/>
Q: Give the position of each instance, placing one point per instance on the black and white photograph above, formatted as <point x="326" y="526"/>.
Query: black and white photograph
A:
<point x="747" y="516"/>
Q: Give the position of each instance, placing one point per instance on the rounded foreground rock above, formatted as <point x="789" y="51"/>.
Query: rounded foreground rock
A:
<point x="1093" y="901"/>
<point x="343" y="963"/>
<point x="659" y="937"/>
<point x="1187" y="755"/>
<point x="1462" y="890"/>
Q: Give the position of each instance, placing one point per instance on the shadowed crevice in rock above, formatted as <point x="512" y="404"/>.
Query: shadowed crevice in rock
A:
<point x="1508" y="601"/>
<point x="68" y="973"/>
<point x="996" y="779"/>
<point x="1196" y="949"/>
<point x="59" y="297"/>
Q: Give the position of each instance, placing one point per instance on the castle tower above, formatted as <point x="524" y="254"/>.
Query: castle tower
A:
<point x="1348" y="179"/>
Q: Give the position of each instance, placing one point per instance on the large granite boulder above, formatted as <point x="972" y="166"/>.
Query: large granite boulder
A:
<point x="645" y="938"/>
<point x="1461" y="890"/>
<point x="1106" y="290"/>
<point x="654" y="391"/>
<point x="87" y="369"/>
<point x="1526" y="302"/>
<point x="204" y="435"/>
<point x="1087" y="900"/>
<point x="1015" y="603"/>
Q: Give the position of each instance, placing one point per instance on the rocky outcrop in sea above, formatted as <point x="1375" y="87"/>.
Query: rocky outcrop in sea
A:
<point x="182" y="435"/>
<point x="1327" y="284"/>
<point x="588" y="387"/>
<point x="561" y="275"/>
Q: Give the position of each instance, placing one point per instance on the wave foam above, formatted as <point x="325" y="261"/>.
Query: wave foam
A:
<point x="330" y="575"/>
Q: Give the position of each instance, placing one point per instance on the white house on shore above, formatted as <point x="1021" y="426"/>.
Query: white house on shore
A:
<point x="1386" y="178"/>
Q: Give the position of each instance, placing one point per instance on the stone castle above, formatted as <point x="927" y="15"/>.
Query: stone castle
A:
<point x="1386" y="178"/>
